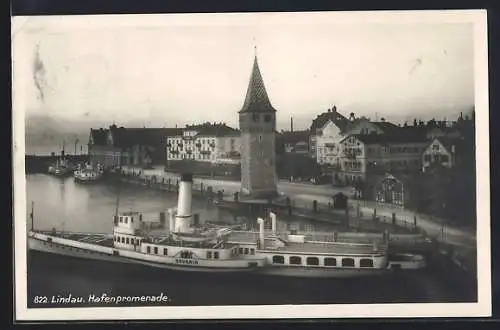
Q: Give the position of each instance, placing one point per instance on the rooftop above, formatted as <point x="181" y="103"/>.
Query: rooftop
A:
<point x="395" y="137"/>
<point x="256" y="99"/>
<point x="292" y="137"/>
<point x="332" y="114"/>
<point x="212" y="129"/>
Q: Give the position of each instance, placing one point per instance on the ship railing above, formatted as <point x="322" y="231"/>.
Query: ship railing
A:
<point x="338" y="243"/>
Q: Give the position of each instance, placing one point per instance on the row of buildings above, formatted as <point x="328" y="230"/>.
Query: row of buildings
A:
<point x="380" y="159"/>
<point x="348" y="149"/>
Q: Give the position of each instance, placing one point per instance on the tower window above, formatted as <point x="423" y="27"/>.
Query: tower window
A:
<point x="255" y="117"/>
<point x="260" y="137"/>
<point x="267" y="118"/>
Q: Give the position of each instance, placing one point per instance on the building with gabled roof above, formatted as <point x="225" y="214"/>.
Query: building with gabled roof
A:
<point x="325" y="131"/>
<point x="443" y="151"/>
<point x="293" y="141"/>
<point x="116" y="146"/>
<point x="362" y="154"/>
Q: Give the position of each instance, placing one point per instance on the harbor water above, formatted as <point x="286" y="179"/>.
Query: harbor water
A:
<point x="66" y="205"/>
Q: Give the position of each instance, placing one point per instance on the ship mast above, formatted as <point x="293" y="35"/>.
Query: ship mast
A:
<point x="117" y="199"/>
<point x="32" y="215"/>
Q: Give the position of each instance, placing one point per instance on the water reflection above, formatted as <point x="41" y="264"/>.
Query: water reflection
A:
<point x="66" y="205"/>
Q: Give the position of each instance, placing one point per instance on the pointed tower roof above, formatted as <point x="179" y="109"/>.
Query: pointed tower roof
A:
<point x="256" y="99"/>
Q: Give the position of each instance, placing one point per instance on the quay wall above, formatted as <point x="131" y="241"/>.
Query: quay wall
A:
<point x="358" y="222"/>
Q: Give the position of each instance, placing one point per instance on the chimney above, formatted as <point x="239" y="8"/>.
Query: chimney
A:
<point x="171" y="219"/>
<point x="260" y="221"/>
<point x="183" y="218"/>
<point x="291" y="124"/>
<point x="273" y="222"/>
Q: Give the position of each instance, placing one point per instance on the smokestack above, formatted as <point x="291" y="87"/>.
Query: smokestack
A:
<point x="291" y="124"/>
<point x="183" y="218"/>
<point x="171" y="219"/>
<point x="260" y="221"/>
<point x="273" y="222"/>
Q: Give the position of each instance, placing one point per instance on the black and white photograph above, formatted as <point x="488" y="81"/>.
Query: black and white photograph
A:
<point x="251" y="165"/>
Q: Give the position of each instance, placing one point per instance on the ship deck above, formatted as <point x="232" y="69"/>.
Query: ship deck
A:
<point x="234" y="239"/>
<point x="307" y="246"/>
<point x="99" y="239"/>
<point x="326" y="248"/>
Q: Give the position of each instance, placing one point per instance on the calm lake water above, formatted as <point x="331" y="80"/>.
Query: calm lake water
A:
<point x="62" y="204"/>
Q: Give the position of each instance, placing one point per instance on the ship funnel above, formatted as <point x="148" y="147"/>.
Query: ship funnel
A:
<point x="260" y="221"/>
<point x="171" y="219"/>
<point x="184" y="215"/>
<point x="273" y="222"/>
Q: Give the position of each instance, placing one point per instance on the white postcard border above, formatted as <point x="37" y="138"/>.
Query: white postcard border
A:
<point x="482" y="308"/>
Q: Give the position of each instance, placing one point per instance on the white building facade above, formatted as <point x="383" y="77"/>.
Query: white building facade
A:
<point x="209" y="143"/>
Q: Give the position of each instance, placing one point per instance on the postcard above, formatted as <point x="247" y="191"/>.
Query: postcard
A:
<point x="251" y="165"/>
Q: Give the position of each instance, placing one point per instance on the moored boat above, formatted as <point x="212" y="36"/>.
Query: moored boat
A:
<point x="61" y="168"/>
<point x="188" y="246"/>
<point x="88" y="174"/>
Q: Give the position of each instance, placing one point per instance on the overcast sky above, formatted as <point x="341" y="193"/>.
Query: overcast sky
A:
<point x="179" y="69"/>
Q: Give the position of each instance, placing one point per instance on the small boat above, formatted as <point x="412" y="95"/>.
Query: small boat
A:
<point x="61" y="168"/>
<point x="88" y="174"/>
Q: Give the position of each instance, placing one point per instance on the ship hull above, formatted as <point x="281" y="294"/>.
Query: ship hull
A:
<point x="322" y="272"/>
<point x="35" y="244"/>
<point x="87" y="180"/>
<point x="287" y="271"/>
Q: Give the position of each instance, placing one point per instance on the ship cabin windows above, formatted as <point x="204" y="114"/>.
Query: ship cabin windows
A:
<point x="156" y="249"/>
<point x="165" y="251"/>
<point x="312" y="261"/>
<point x="252" y="251"/>
<point x="127" y="240"/>
<point x="332" y="262"/>
<point x="348" y="262"/>
<point x="246" y="251"/>
<point x="240" y="250"/>
<point x="278" y="260"/>
<point x="294" y="260"/>
<point x="366" y="263"/>
<point x="216" y="255"/>
<point x="148" y="249"/>
<point x="209" y="254"/>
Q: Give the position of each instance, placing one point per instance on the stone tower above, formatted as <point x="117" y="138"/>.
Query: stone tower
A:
<point x="258" y="132"/>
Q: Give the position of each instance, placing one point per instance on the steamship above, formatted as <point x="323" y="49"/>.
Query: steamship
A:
<point x="87" y="174"/>
<point x="188" y="246"/>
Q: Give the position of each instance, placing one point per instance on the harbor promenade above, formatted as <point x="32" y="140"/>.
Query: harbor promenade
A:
<point x="304" y="194"/>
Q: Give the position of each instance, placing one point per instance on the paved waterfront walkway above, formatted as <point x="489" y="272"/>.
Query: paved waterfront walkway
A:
<point x="433" y="226"/>
<point x="303" y="194"/>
